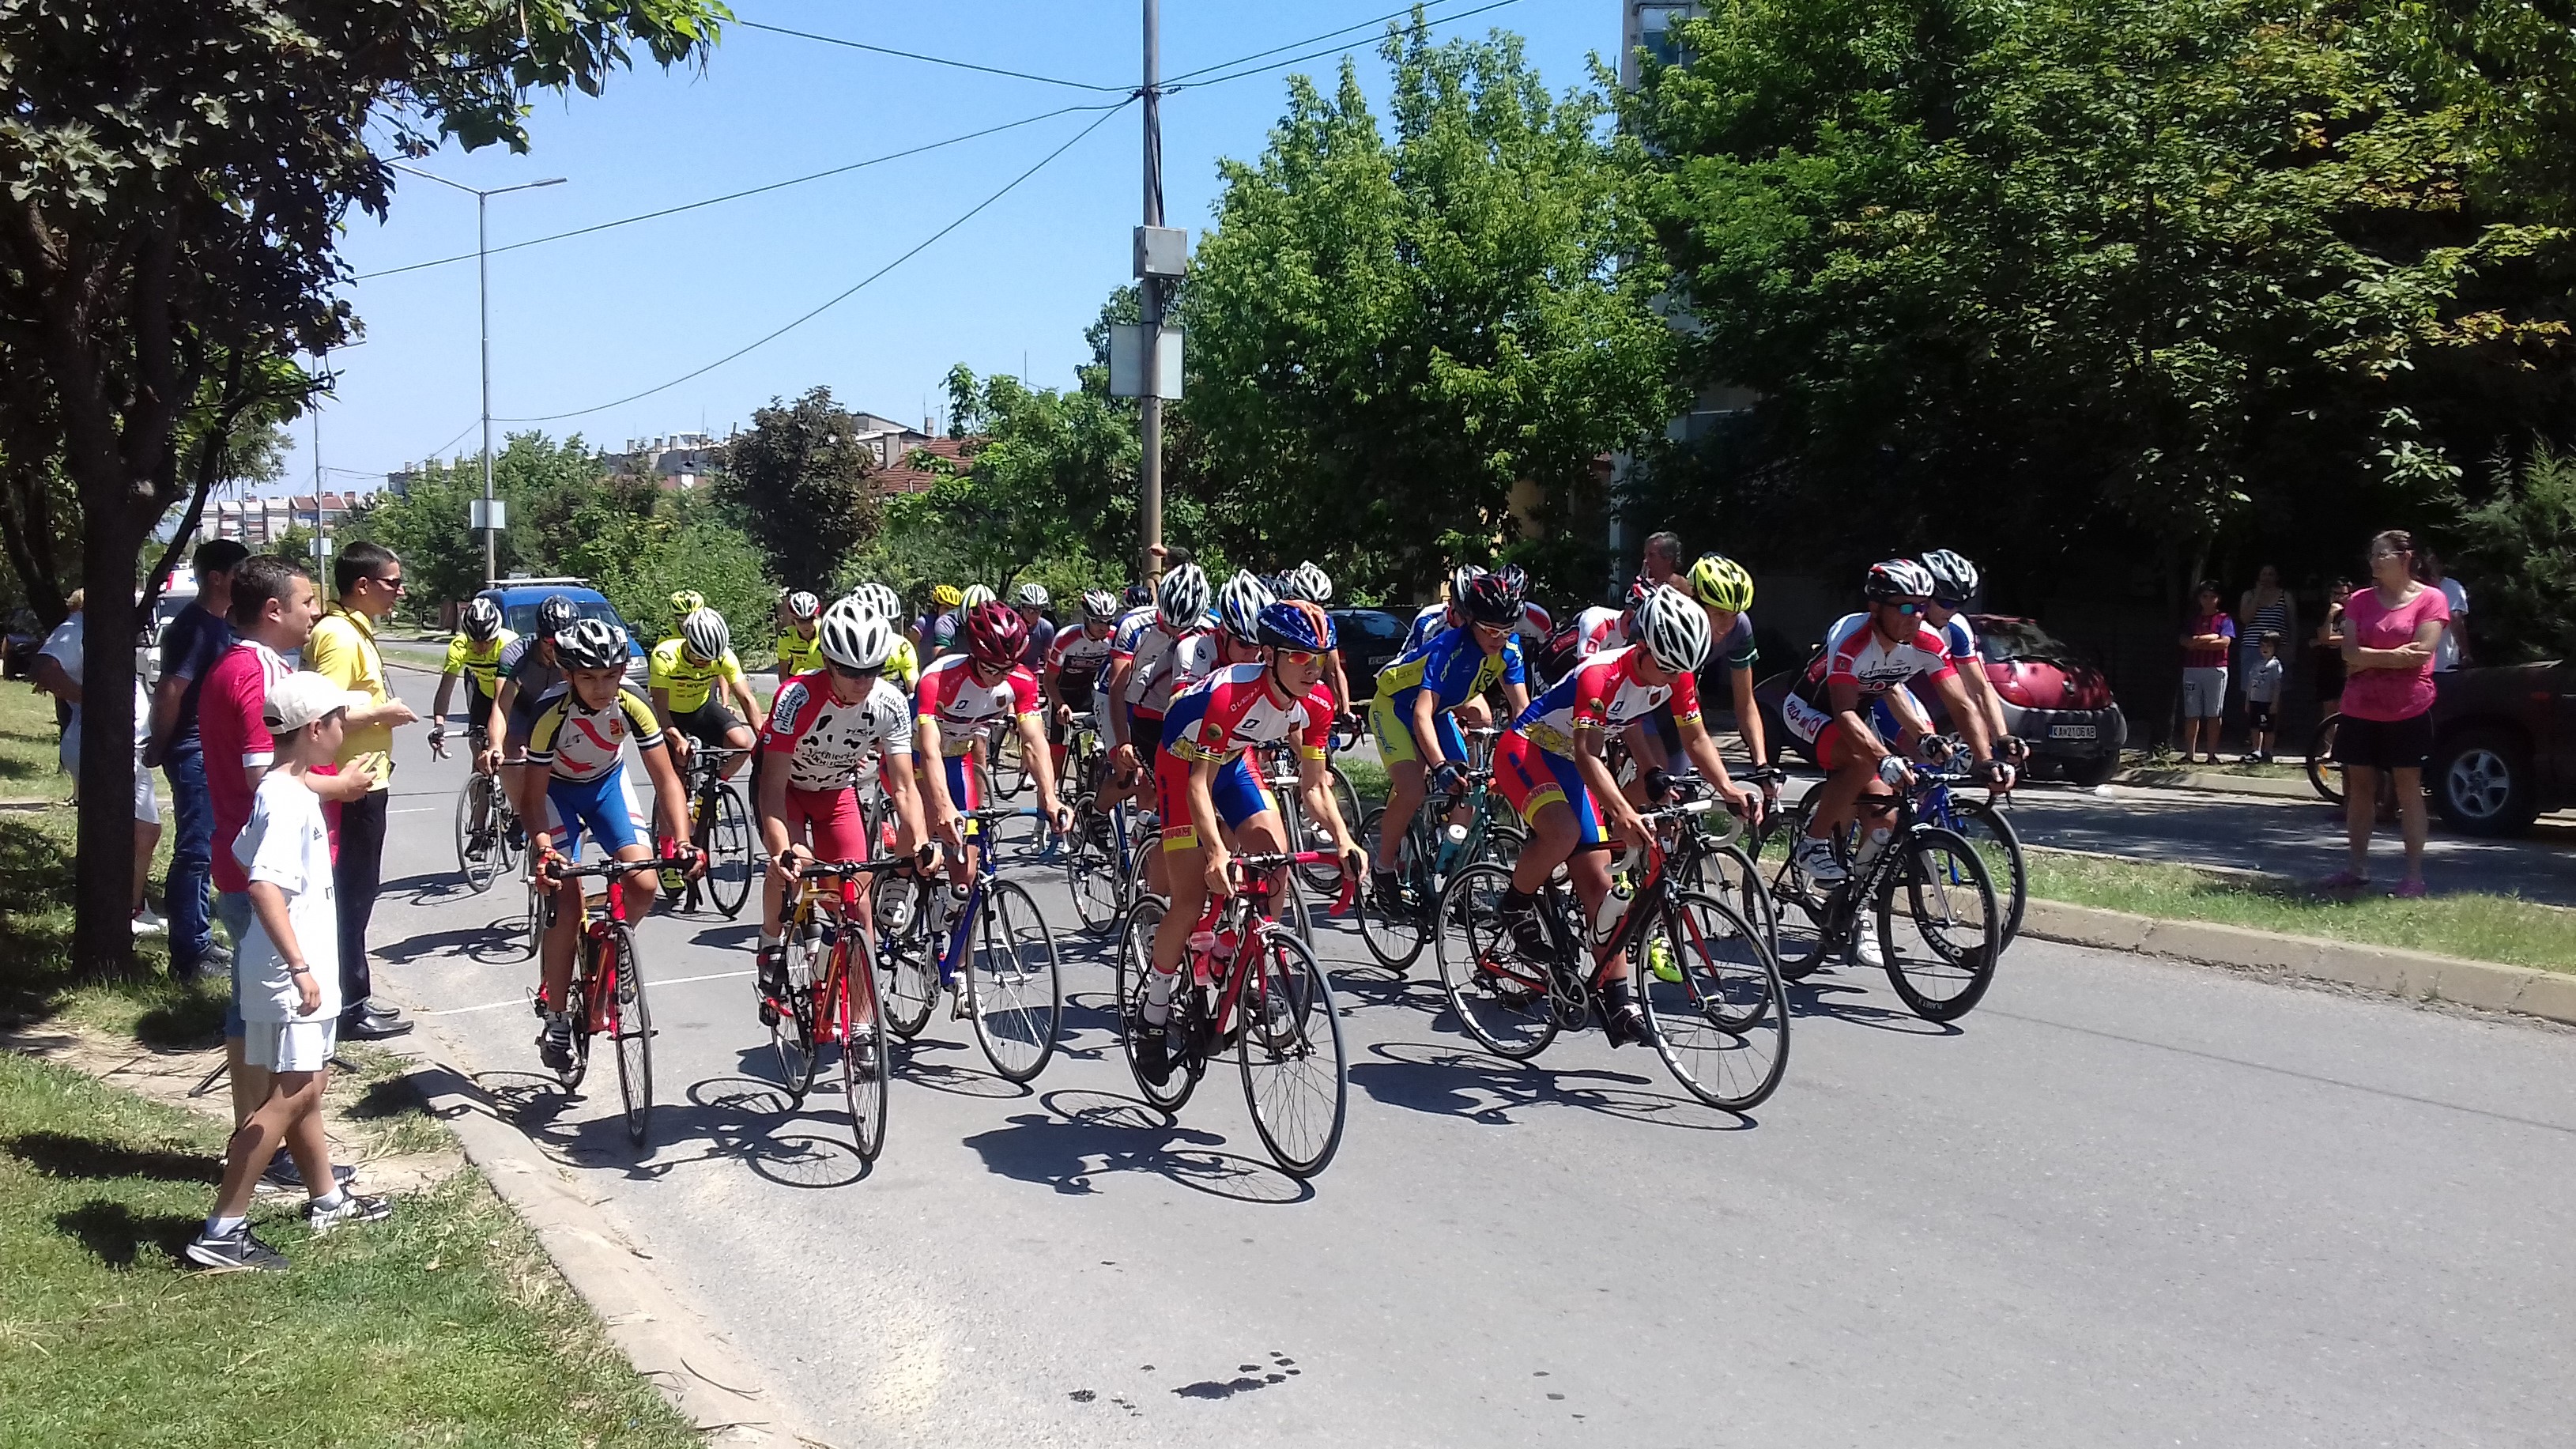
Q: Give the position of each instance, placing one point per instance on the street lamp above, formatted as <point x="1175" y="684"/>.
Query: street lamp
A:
<point x="483" y="303"/>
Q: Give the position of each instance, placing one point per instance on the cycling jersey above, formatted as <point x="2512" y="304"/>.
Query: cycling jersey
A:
<point x="1165" y="663"/>
<point x="689" y="683"/>
<point x="1454" y="667"/>
<point x="1855" y="651"/>
<point x="798" y="654"/>
<point x="951" y="694"/>
<point x="1234" y="709"/>
<point x="828" y="743"/>
<point x="1033" y="653"/>
<point x="1736" y="649"/>
<point x="1075" y="659"/>
<point x="1428" y="621"/>
<point x="1597" y="628"/>
<point x="903" y="666"/>
<point x="576" y="742"/>
<point x="1603" y="692"/>
<point x="1961" y="638"/>
<point x="479" y="663"/>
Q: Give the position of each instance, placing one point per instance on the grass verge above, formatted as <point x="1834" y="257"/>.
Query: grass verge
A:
<point x="2478" y="927"/>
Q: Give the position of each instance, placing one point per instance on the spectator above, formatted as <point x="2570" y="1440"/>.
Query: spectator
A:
<point x="343" y="649"/>
<point x="287" y="984"/>
<point x="2262" y="696"/>
<point x="2266" y="608"/>
<point x="2205" y="646"/>
<point x="2387" y="706"/>
<point x="2329" y="651"/>
<point x="194" y="639"/>
<point x="1661" y="559"/>
<point x="2453" y="651"/>
<point x="58" y="671"/>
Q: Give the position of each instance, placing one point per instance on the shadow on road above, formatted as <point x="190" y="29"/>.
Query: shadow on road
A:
<point x="1461" y="1081"/>
<point x="1822" y="996"/>
<point x="1082" y="1135"/>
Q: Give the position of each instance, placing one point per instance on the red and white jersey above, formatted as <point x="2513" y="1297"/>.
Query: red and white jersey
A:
<point x="1856" y="652"/>
<point x="826" y="743"/>
<point x="1599" y="628"/>
<point x="1235" y="709"/>
<point x="1076" y="655"/>
<point x="1166" y="663"/>
<point x="950" y="694"/>
<point x="1602" y="692"/>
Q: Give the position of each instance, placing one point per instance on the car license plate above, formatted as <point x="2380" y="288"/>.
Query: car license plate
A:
<point x="2071" y="732"/>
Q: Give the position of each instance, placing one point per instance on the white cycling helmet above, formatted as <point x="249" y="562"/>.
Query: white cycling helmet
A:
<point x="704" y="631"/>
<point x="1954" y="579"/>
<point x="1239" y="605"/>
<point x="482" y="620"/>
<point x="1673" y="630"/>
<point x="879" y="599"/>
<point x="1100" y="604"/>
<point x="802" y="605"/>
<point x="1897" y="578"/>
<point x="1307" y="584"/>
<point x="971" y="596"/>
<point x="1030" y="596"/>
<point x="1459" y="578"/>
<point x="855" y="637"/>
<point x="1181" y="600"/>
<point x="592" y="644"/>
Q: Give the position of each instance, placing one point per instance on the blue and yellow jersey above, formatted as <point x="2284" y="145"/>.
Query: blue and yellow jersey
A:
<point x="575" y="742"/>
<point x="1453" y="667"/>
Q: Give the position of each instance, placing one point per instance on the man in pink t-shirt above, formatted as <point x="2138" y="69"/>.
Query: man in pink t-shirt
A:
<point x="2391" y="631"/>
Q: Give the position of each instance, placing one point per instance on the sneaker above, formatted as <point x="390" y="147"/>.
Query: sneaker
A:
<point x="1815" y="860"/>
<point x="234" y="1252"/>
<point x="148" y="924"/>
<point x="1865" y="950"/>
<point x="1659" y="959"/>
<point x="554" y="1043"/>
<point x="770" y="984"/>
<point x="1153" y="1057"/>
<point x="351" y="1208"/>
<point x="958" y="1010"/>
<point x="2411" y="890"/>
<point x="283" y="1176"/>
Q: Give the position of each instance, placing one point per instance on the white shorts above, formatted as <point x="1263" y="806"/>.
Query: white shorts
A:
<point x="291" y="1046"/>
<point x="2204" y="692"/>
<point x="147" y="809"/>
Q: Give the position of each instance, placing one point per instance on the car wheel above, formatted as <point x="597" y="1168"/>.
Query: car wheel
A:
<point x="2094" y="770"/>
<point x="2482" y="783"/>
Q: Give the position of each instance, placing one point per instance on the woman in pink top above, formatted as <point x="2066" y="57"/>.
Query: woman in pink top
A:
<point x="2390" y="630"/>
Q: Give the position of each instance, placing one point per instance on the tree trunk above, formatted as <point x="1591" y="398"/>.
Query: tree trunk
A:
<point x="102" y="938"/>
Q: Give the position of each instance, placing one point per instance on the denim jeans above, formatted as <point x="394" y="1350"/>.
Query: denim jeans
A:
<point x="189" y="891"/>
<point x="233" y="909"/>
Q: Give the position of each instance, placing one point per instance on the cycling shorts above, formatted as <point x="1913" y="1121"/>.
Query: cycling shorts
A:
<point x="962" y="788"/>
<point x="1530" y="779"/>
<point x="605" y="806"/>
<point x="1236" y="793"/>
<point x="709" y="723"/>
<point x="1394" y="731"/>
<point x="1827" y="735"/>
<point x="828" y="821"/>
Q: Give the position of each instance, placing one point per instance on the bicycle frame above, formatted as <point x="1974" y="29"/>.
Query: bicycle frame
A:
<point x="595" y="933"/>
<point x="1246" y="912"/>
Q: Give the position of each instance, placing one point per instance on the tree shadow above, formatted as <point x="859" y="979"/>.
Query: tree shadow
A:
<point x="1081" y="1136"/>
<point x="61" y="1154"/>
<point x="186" y="1018"/>
<point x="116" y="1236"/>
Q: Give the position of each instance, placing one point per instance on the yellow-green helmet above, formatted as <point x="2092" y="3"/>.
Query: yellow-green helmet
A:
<point x="685" y="602"/>
<point x="1721" y="583"/>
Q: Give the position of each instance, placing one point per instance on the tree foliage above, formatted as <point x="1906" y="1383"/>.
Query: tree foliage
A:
<point x="798" y="481"/>
<point x="2519" y="545"/>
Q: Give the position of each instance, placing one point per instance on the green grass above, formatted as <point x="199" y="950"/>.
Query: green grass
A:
<point x="1368" y="777"/>
<point x="443" y="1325"/>
<point x="2478" y="927"/>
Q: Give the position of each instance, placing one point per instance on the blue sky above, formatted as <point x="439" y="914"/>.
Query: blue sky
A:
<point x="582" y="322"/>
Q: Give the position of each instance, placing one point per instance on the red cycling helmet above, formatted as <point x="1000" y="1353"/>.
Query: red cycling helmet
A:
<point x="995" y="637"/>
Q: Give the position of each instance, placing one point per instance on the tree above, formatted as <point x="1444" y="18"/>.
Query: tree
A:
<point x="177" y="173"/>
<point x="798" y="482"/>
<point x="2518" y="548"/>
<point x="1385" y="339"/>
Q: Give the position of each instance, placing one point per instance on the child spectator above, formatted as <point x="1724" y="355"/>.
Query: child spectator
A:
<point x="2205" y="647"/>
<point x="288" y="980"/>
<point x="2262" y="696"/>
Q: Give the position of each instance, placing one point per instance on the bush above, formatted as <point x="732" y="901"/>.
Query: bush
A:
<point x="2517" y="556"/>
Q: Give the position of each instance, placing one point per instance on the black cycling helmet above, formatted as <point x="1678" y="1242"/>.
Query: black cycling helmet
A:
<point x="1494" y="598"/>
<point x="555" y="614"/>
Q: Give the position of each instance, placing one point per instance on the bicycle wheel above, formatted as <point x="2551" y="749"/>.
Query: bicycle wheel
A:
<point x="1013" y="992"/>
<point x="533" y="926"/>
<point x="866" y="1054"/>
<point x="2324" y="775"/>
<point x="1395" y="936"/>
<point x="908" y="952"/>
<point x="730" y="867"/>
<point x="1998" y="844"/>
<point x="1729" y="873"/>
<point x="478" y="855"/>
<point x="1089" y="874"/>
<point x="1499" y="995"/>
<point x="508" y="840"/>
<point x="1135" y="968"/>
<point x="1289" y="1044"/>
<point x="1010" y="770"/>
<point x="1938" y="925"/>
<point x="1305" y="833"/>
<point x="629" y="1020"/>
<point x="792" y="1035"/>
<point x="1723" y="1027"/>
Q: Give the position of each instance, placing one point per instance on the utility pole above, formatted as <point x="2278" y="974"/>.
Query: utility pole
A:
<point x="1149" y="426"/>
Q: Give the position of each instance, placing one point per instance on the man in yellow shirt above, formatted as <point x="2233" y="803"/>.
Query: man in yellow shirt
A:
<point x="800" y="642"/>
<point x="343" y="649"/>
<point x="684" y="677"/>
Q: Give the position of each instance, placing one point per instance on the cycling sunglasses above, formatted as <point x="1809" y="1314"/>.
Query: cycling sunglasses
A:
<point x="1299" y="656"/>
<point x="1906" y="607"/>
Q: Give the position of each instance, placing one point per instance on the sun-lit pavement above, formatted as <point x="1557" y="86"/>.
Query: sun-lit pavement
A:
<point x="2121" y="1203"/>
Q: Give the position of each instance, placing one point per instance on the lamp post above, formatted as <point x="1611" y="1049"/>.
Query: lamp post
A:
<point x="483" y="305"/>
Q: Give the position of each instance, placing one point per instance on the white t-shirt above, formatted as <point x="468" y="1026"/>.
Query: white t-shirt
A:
<point x="66" y="647"/>
<point x="287" y="845"/>
<point x="2446" y="650"/>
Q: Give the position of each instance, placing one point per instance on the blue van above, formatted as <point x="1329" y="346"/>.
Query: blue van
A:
<point x="519" y="597"/>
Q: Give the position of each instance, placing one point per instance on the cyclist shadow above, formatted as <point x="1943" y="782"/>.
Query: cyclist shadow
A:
<point x="494" y="944"/>
<point x="918" y="1061"/>
<point x="1082" y="1136"/>
<point x="1465" y="1081"/>
<point x="435" y="888"/>
<point x="1372" y="986"/>
<point x="751" y="1118"/>
<point x="1815" y="996"/>
<point x="727" y="937"/>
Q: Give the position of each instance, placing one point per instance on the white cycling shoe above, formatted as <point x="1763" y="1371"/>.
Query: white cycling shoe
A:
<point x="1815" y="860"/>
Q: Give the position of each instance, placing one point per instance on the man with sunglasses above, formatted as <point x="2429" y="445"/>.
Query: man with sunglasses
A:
<point x="1954" y="582"/>
<point x="1418" y="693"/>
<point x="343" y="649"/>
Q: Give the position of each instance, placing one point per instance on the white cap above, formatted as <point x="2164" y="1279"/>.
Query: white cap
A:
<point x="303" y="697"/>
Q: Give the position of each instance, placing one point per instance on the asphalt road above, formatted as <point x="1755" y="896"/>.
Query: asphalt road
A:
<point x="2122" y="1203"/>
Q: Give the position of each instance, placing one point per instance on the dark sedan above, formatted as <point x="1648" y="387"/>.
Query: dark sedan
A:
<point x="2504" y="746"/>
<point x="1369" y="638"/>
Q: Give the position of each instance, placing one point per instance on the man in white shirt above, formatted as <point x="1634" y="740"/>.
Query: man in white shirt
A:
<point x="57" y="671"/>
<point x="2452" y="650"/>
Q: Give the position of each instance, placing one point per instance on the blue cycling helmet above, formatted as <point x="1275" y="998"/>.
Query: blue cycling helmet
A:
<point x="1291" y="626"/>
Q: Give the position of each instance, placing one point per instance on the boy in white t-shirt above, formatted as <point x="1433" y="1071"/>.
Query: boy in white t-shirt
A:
<point x="288" y="979"/>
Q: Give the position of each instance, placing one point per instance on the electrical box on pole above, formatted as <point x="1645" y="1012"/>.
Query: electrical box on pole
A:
<point x="488" y="513"/>
<point x="1162" y="251"/>
<point x="1127" y="366"/>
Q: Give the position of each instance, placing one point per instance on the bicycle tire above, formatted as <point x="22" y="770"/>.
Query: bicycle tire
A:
<point x="1394" y="938"/>
<point x="1323" y="877"/>
<point x="2324" y="775"/>
<point x="1729" y="873"/>
<point x="1722" y="1027"/>
<point x="477" y="850"/>
<point x="791" y="1036"/>
<point x="1804" y="915"/>
<point x="1090" y="877"/>
<point x="577" y="1009"/>
<point x="629" y="1017"/>
<point x="1135" y="965"/>
<point x="506" y="830"/>
<point x="907" y="932"/>
<point x="1011" y="773"/>
<point x="1014" y="990"/>
<point x="867" y="1054"/>
<point x="1943" y="884"/>
<point x="730" y="866"/>
<point x="2005" y="852"/>
<point x="533" y="924"/>
<point x="1289" y="1023"/>
<point x="1469" y="942"/>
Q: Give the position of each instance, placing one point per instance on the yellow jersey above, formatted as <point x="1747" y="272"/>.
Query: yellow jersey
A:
<point x="798" y="654"/>
<point x="903" y="666"/>
<point x="689" y="684"/>
<point x="479" y="663"/>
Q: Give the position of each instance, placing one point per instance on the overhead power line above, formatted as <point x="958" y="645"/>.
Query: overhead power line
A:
<point x="1184" y="83"/>
<point x="936" y="59"/>
<point x="853" y="290"/>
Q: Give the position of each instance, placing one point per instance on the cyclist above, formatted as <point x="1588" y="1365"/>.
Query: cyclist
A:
<point x="829" y="729"/>
<point x="684" y="602"/>
<point x="1238" y="616"/>
<point x="1416" y="694"/>
<point x="684" y="676"/>
<point x="800" y="647"/>
<point x="576" y="765"/>
<point x="1307" y="584"/>
<point x="1441" y="613"/>
<point x="475" y="652"/>
<point x="1719" y="585"/>
<point x="1954" y="582"/>
<point x="945" y="633"/>
<point x="1073" y="665"/>
<point x="1868" y="656"/>
<point x="1549" y="767"/>
<point x="940" y="618"/>
<point x="1171" y="644"/>
<point x="1031" y="600"/>
<point x="529" y="681"/>
<point x="1204" y="786"/>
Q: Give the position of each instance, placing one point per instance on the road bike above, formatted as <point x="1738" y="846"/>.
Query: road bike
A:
<point x="990" y="946"/>
<point x="1278" y="766"/>
<point x="607" y="996"/>
<point x="1721" y="1024"/>
<point x="830" y="970"/>
<point x="1100" y="870"/>
<point x="1253" y="985"/>
<point x="720" y="827"/>
<point x="1006" y="772"/>
<point x="1924" y="889"/>
<point x="1471" y="825"/>
<point x="488" y="836"/>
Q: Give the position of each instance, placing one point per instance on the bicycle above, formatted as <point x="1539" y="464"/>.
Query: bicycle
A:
<point x="720" y="827"/>
<point x="608" y="990"/>
<point x="1011" y="989"/>
<point x="1278" y="766"/>
<point x="1714" y="860"/>
<point x="1006" y="772"/>
<point x="1432" y="849"/>
<point x="837" y="1004"/>
<point x="488" y="834"/>
<point x="1281" y="1020"/>
<point x="1942" y="969"/>
<point x="1721" y="1025"/>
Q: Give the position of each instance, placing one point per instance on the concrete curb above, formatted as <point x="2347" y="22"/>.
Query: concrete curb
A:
<point x="715" y="1385"/>
<point x="2411" y="975"/>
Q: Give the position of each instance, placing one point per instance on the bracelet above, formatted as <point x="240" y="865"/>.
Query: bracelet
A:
<point x="299" y="969"/>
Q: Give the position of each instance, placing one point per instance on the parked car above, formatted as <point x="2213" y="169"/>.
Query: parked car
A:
<point x="2055" y="700"/>
<point x="2504" y="745"/>
<point x="1370" y="638"/>
<point x="519" y="597"/>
